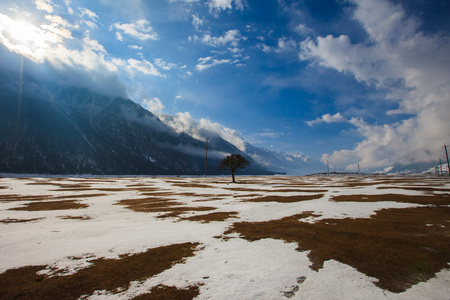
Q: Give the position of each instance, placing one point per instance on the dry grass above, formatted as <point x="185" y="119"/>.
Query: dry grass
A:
<point x="212" y="217"/>
<point x="75" y="217"/>
<point x="79" y="196"/>
<point x="51" y="205"/>
<point x="286" y="199"/>
<point x="416" y="188"/>
<point x="162" y="292"/>
<point x="8" y="221"/>
<point x="432" y="199"/>
<point x="169" y="207"/>
<point x="104" y="274"/>
<point x="399" y="247"/>
<point x="15" y="197"/>
<point x="192" y="185"/>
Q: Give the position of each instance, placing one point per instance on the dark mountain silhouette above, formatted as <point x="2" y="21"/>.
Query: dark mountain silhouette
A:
<point x="51" y="129"/>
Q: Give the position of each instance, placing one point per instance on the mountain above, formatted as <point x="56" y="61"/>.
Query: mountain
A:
<point x="282" y="162"/>
<point x="415" y="169"/>
<point x="52" y="129"/>
<point x="217" y="135"/>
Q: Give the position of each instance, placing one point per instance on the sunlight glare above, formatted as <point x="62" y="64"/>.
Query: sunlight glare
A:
<point x="25" y="38"/>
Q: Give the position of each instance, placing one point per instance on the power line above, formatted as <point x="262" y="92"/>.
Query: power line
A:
<point x="206" y="158"/>
<point x="446" y="154"/>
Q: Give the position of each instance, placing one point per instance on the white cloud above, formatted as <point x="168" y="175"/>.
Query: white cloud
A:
<point x="154" y="105"/>
<point x="164" y="65"/>
<point x="197" y="22"/>
<point x="302" y="29"/>
<point x="93" y="18"/>
<point x="140" y="30"/>
<point x="231" y="37"/>
<point x="183" y="122"/>
<point x="218" y="5"/>
<point x="134" y="47"/>
<point x="327" y="118"/>
<point x="397" y="52"/>
<point x="208" y="62"/>
<point x="119" y="36"/>
<point x="143" y="66"/>
<point x="46" y="5"/>
<point x="86" y="12"/>
<point x="94" y="45"/>
<point x="58" y="26"/>
<point x="284" y="45"/>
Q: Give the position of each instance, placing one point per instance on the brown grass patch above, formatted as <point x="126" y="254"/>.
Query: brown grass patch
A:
<point x="51" y="205"/>
<point x="163" y="292"/>
<point x="195" y="195"/>
<point x="154" y="191"/>
<point x="157" y="205"/>
<point x="75" y="217"/>
<point x="176" y="211"/>
<point x="286" y="199"/>
<point x="8" y="221"/>
<point x="62" y="185"/>
<point x="415" y="188"/>
<point x="104" y="274"/>
<point x="16" y="197"/>
<point x="210" y="199"/>
<point x="192" y="185"/>
<point x="299" y="190"/>
<point x="212" y="217"/>
<point x="435" y="199"/>
<point x="246" y="195"/>
<point x="399" y="247"/>
<point x="79" y="196"/>
<point x="278" y="190"/>
<point x="246" y="189"/>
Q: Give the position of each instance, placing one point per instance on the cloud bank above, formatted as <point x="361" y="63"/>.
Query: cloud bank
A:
<point x="413" y="69"/>
<point x="86" y="65"/>
<point x="183" y="122"/>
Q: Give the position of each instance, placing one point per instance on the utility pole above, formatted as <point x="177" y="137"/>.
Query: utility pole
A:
<point x="206" y="158"/>
<point x="440" y="166"/>
<point x="446" y="154"/>
<point x="358" y="168"/>
<point x="328" y="168"/>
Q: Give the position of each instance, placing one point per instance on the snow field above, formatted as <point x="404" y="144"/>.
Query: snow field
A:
<point x="224" y="268"/>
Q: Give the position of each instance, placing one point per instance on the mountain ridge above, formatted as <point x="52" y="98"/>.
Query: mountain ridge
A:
<point x="52" y="129"/>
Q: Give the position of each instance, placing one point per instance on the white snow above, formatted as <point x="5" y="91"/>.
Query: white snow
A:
<point x="223" y="268"/>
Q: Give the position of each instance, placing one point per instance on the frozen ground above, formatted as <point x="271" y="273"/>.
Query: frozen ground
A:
<point x="67" y="223"/>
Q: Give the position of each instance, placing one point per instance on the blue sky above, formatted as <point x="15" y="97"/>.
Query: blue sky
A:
<point x="357" y="81"/>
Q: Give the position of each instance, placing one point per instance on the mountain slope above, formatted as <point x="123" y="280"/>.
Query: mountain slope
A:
<point x="283" y="162"/>
<point x="58" y="130"/>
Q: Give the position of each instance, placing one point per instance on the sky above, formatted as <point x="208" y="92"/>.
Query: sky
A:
<point x="348" y="81"/>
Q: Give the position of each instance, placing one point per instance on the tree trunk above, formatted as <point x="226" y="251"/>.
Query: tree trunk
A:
<point x="232" y="175"/>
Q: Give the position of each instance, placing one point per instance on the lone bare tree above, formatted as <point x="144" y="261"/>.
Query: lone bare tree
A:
<point x="232" y="163"/>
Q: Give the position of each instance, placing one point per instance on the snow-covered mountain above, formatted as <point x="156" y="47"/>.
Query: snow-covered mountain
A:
<point x="223" y="138"/>
<point x="52" y="129"/>
<point x="292" y="164"/>
<point x="416" y="169"/>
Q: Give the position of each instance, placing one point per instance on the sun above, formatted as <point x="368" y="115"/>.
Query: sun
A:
<point x="24" y="33"/>
<point x="25" y="38"/>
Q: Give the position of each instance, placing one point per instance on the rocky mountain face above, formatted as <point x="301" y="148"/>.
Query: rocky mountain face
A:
<point x="51" y="129"/>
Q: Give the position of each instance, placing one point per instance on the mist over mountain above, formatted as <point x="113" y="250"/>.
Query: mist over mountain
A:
<point x="292" y="164"/>
<point x="59" y="130"/>
<point x="52" y="129"/>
